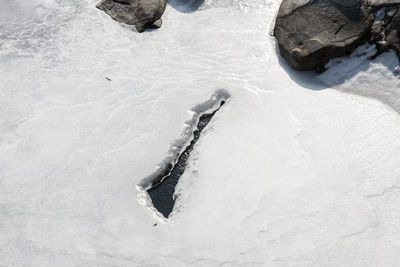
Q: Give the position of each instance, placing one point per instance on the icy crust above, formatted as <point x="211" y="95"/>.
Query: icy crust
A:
<point x="290" y="177"/>
<point x="177" y="147"/>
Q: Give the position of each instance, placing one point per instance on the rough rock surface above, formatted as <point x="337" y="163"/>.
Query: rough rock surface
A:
<point x="141" y="13"/>
<point x="311" y="32"/>
<point x="385" y="32"/>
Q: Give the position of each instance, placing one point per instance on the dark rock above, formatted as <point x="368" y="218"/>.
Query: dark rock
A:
<point x="386" y="33"/>
<point x="143" y="14"/>
<point x="393" y="32"/>
<point x="311" y="32"/>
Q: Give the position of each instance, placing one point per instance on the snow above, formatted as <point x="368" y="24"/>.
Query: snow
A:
<point x="297" y="169"/>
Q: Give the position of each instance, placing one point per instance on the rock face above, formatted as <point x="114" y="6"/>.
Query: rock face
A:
<point x="311" y="32"/>
<point x="386" y="33"/>
<point x="143" y="14"/>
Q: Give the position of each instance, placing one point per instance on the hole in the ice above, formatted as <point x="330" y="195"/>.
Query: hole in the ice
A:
<point x="163" y="188"/>
<point x="156" y="191"/>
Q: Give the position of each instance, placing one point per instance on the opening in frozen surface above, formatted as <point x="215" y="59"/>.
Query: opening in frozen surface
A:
<point x="157" y="190"/>
<point x="162" y="193"/>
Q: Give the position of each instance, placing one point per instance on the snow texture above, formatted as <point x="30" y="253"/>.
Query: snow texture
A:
<point x="298" y="169"/>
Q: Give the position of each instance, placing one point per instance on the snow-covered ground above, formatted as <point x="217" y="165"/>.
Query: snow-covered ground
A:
<point x="290" y="172"/>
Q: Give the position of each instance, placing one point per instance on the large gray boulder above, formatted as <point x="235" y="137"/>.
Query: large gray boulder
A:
<point x="141" y="13"/>
<point x="311" y="32"/>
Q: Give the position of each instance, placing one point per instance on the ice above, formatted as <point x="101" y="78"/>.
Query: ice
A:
<point x="293" y="172"/>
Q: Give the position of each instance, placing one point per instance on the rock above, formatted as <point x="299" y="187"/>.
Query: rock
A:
<point x="311" y="32"/>
<point x="143" y="14"/>
<point x="381" y="3"/>
<point x="385" y="33"/>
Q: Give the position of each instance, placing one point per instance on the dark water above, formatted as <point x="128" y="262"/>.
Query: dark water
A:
<point x="162" y="194"/>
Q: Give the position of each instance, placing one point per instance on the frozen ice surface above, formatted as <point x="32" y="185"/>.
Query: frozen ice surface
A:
<point x="290" y="173"/>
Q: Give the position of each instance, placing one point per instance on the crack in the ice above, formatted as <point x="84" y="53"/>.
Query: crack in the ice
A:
<point x="354" y="233"/>
<point x="162" y="193"/>
<point x="157" y="190"/>
<point x="384" y="192"/>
